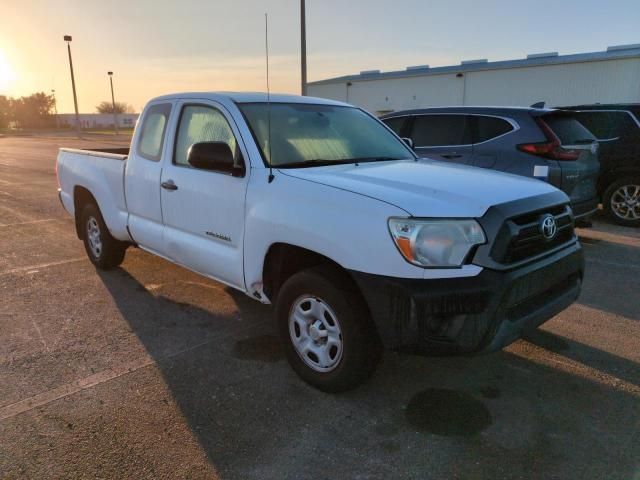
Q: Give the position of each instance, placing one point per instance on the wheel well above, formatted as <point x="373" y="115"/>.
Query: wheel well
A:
<point x="614" y="175"/>
<point x="81" y="197"/>
<point x="284" y="260"/>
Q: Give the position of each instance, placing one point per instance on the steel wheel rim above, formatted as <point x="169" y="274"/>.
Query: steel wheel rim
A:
<point x="315" y="333"/>
<point x="625" y="202"/>
<point x="93" y="237"/>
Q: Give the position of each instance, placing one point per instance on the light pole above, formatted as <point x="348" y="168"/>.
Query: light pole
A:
<point x="303" y="49"/>
<point x="67" y="38"/>
<point x="113" y="102"/>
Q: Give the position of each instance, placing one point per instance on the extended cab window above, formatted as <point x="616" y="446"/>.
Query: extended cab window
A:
<point x="440" y="130"/>
<point x="488" y="128"/>
<point x="153" y="129"/>
<point x="199" y="123"/>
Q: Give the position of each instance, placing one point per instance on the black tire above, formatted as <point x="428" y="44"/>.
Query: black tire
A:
<point x="361" y="347"/>
<point x="111" y="251"/>
<point x="608" y="197"/>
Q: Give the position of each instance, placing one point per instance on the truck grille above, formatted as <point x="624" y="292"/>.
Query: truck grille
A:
<point x="520" y="238"/>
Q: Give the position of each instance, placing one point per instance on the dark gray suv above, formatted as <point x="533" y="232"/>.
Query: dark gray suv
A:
<point x="535" y="142"/>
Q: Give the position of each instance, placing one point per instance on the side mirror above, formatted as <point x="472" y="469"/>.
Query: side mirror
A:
<point x="215" y="156"/>
<point x="408" y="141"/>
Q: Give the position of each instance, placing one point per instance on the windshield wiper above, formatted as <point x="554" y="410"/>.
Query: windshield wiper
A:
<point x="317" y="162"/>
<point x="583" y="141"/>
<point x="375" y="159"/>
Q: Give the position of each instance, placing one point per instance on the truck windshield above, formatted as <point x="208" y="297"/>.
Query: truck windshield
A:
<point x="306" y="135"/>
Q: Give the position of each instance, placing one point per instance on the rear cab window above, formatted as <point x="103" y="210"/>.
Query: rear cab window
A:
<point x="436" y="130"/>
<point x="152" y="131"/>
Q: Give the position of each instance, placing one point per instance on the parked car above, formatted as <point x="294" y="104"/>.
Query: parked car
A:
<point x="617" y="128"/>
<point x="533" y="142"/>
<point x="317" y="207"/>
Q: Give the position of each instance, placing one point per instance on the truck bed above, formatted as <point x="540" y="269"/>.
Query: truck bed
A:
<point x="119" y="153"/>
<point x="95" y="171"/>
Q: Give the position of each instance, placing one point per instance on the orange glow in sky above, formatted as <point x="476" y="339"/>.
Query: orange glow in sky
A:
<point x="7" y="74"/>
<point x="158" y="47"/>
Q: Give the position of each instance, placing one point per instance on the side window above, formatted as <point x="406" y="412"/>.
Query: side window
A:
<point x="395" y="124"/>
<point x="440" y="130"/>
<point x="490" y="127"/>
<point x="152" y="132"/>
<point x="199" y="123"/>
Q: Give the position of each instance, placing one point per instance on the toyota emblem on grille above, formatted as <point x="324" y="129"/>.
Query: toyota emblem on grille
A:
<point x="548" y="227"/>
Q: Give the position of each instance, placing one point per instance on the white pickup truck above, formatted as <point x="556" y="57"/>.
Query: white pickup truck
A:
<point x="319" y="208"/>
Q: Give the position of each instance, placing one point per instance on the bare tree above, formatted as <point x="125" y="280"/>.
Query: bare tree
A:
<point x="107" y="107"/>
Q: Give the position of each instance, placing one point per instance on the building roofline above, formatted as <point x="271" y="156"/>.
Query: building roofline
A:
<point x="612" y="53"/>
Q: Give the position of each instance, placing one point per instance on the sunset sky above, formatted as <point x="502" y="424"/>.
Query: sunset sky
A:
<point x="157" y="47"/>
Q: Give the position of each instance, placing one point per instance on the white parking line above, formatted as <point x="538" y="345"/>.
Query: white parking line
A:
<point x="49" y="396"/>
<point x="41" y="265"/>
<point x="70" y="388"/>
<point x="17" y="224"/>
<point x="632" y="266"/>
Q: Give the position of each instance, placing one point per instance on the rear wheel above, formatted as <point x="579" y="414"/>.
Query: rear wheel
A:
<point x="103" y="250"/>
<point x="326" y="330"/>
<point x="622" y="201"/>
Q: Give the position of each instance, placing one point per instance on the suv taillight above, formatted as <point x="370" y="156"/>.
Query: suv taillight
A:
<point x="551" y="148"/>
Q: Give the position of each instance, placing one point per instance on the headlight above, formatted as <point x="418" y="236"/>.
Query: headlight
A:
<point x="436" y="243"/>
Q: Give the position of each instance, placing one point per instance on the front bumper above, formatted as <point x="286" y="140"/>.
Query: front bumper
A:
<point x="472" y="314"/>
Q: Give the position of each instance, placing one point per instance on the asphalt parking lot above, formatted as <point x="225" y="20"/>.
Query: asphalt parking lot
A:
<point x="151" y="371"/>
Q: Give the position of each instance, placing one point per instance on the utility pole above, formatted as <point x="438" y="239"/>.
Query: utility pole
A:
<point x="67" y="38"/>
<point x="303" y="49"/>
<point x="113" y="102"/>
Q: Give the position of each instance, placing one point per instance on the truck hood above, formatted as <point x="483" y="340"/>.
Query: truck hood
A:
<point x="427" y="188"/>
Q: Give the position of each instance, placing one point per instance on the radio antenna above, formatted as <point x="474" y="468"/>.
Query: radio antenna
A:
<point x="266" y="48"/>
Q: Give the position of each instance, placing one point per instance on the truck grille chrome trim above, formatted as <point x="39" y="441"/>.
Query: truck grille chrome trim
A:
<point x="520" y="238"/>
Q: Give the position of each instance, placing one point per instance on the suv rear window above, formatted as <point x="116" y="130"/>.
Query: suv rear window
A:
<point x="440" y="130"/>
<point x="568" y="130"/>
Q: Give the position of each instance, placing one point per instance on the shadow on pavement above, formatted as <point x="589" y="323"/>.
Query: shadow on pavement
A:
<point x="494" y="416"/>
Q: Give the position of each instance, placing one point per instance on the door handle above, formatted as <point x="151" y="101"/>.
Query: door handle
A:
<point x="451" y="155"/>
<point x="169" y="185"/>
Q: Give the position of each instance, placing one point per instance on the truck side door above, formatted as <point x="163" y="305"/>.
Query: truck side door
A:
<point x="203" y="210"/>
<point x="142" y="176"/>
<point x="445" y="137"/>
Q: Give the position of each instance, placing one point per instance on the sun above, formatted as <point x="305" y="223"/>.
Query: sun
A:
<point x="7" y="75"/>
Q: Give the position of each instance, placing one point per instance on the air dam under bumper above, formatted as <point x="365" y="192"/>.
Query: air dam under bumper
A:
<point x="472" y="314"/>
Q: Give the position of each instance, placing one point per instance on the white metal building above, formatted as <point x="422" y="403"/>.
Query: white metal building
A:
<point x="610" y="76"/>
<point x="98" y="120"/>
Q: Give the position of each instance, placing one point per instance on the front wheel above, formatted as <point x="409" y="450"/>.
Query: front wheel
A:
<point x="621" y="201"/>
<point x="326" y="331"/>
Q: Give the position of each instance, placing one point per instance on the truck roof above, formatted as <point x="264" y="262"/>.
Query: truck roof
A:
<point x="250" y="97"/>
